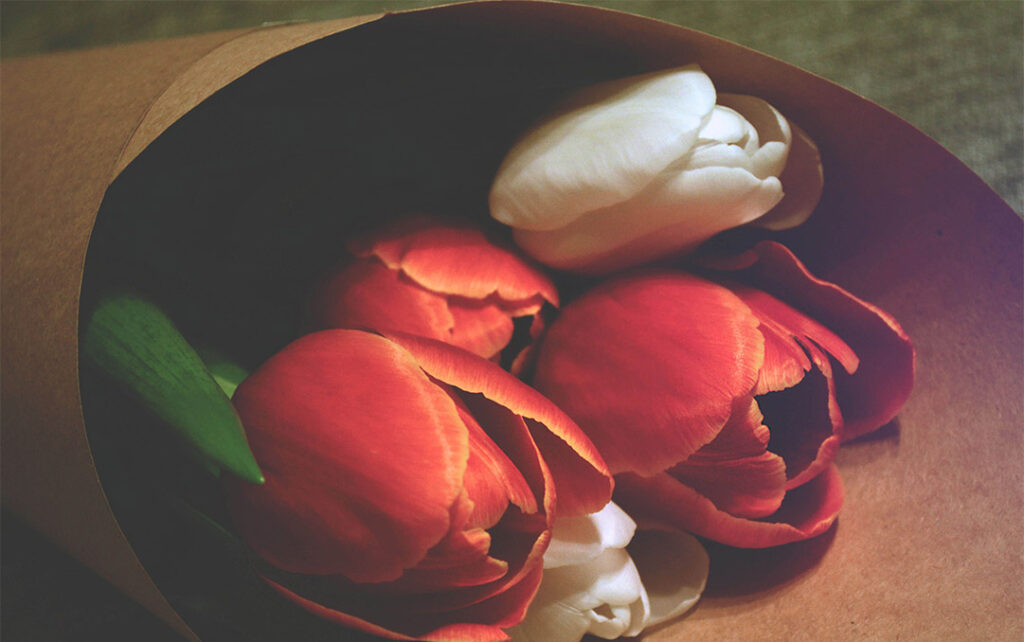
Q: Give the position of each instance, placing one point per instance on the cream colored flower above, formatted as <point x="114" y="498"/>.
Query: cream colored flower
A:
<point x="633" y="169"/>
<point x="593" y="584"/>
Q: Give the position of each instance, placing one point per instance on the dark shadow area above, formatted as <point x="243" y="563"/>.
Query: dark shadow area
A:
<point x="890" y="432"/>
<point x="741" y="572"/>
<point x="49" y="596"/>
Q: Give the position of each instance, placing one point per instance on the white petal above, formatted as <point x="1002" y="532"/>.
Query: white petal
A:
<point x="718" y="155"/>
<point x="674" y="570"/>
<point x="802" y="181"/>
<point x="773" y="130"/>
<point x="728" y="126"/>
<point x="672" y="216"/>
<point x="769" y="123"/>
<point x="601" y="147"/>
<point x="575" y="540"/>
<point x="604" y="597"/>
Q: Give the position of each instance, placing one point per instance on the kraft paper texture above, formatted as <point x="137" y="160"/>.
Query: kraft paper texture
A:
<point x="930" y="542"/>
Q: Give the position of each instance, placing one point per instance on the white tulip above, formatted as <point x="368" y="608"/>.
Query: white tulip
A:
<point x="593" y="584"/>
<point x="630" y="170"/>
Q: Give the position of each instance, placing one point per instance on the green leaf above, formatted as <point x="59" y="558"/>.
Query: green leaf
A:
<point x="226" y="373"/>
<point x="134" y="342"/>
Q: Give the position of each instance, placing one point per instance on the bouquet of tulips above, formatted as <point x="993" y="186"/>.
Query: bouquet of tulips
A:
<point x="524" y="427"/>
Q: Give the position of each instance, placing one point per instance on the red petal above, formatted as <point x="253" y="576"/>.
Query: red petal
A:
<point x="492" y="480"/>
<point x="508" y="608"/>
<point x="485" y="570"/>
<point x="460" y="632"/>
<point x="873" y="395"/>
<point x="789" y="320"/>
<point x="581" y="477"/>
<point x="735" y="471"/>
<point x="743" y="435"/>
<point x="466" y="633"/>
<point x="458" y="261"/>
<point x="430" y="610"/>
<point x="650" y="365"/>
<point x="802" y="411"/>
<point x="805" y="424"/>
<point x="323" y="510"/>
<point x="331" y="615"/>
<point x="366" y="294"/>
<point x="785" y="361"/>
<point x="503" y="608"/>
<point x="525" y="480"/>
<point x="481" y="327"/>
<point x="664" y="502"/>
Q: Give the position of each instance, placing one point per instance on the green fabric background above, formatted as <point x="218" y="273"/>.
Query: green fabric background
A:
<point x="953" y="69"/>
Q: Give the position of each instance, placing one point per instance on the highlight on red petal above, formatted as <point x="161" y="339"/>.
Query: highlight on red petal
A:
<point x="367" y="294"/>
<point x="871" y="396"/>
<point x="458" y="260"/>
<point x="436" y="279"/>
<point x="323" y="510"/>
<point x="650" y="365"/>
<point x="481" y="327"/>
<point x="664" y="502"/>
<point x="581" y="476"/>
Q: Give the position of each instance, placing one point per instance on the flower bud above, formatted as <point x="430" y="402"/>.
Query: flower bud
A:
<point x="630" y="170"/>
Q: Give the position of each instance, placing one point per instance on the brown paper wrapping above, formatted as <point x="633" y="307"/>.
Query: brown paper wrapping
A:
<point x="930" y="543"/>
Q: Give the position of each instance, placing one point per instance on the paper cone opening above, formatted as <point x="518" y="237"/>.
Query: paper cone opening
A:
<point x="227" y="217"/>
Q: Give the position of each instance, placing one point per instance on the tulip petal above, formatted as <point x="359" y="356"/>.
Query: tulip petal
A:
<point x="492" y="480"/>
<point x="801" y="408"/>
<point x="457" y="261"/>
<point x="736" y="471"/>
<point x="803" y="181"/>
<point x="773" y="133"/>
<point x="321" y="510"/>
<point x="871" y="395"/>
<point x="520" y="539"/>
<point x="449" y="633"/>
<point x="600" y="147"/>
<point x="481" y="327"/>
<point x="367" y="294"/>
<point x="650" y="365"/>
<point x="581" y="538"/>
<point x="751" y="486"/>
<point x="785" y="361"/>
<point x="663" y="502"/>
<point x="580" y="474"/>
<point x="674" y="570"/>
<point x="727" y="128"/>
<point x="805" y="421"/>
<point x="784" y="319"/>
<point x="674" y="214"/>
<point x="743" y="435"/>
<point x="338" y="617"/>
<point x="603" y="596"/>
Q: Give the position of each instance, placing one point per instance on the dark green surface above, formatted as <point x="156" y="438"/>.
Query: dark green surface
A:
<point x="953" y="69"/>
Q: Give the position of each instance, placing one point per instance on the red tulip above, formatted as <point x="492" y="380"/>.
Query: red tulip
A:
<point x="434" y="280"/>
<point x="410" y="485"/>
<point x="719" y="402"/>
